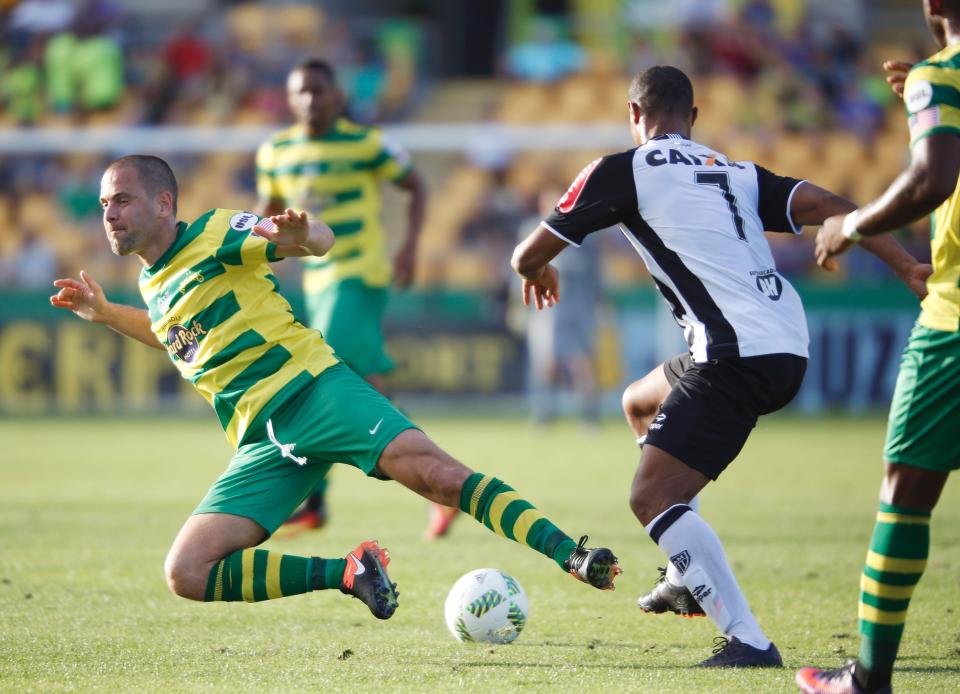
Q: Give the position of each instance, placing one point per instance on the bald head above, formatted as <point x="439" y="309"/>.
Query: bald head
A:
<point x="153" y="173"/>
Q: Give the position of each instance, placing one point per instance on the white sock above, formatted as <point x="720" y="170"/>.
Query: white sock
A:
<point x="693" y="546"/>
<point x="674" y="577"/>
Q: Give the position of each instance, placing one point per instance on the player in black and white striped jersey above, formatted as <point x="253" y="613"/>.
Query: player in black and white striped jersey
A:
<point x="697" y="219"/>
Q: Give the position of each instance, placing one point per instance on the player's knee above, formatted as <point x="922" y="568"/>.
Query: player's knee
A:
<point x="182" y="578"/>
<point x="647" y="501"/>
<point x="636" y="405"/>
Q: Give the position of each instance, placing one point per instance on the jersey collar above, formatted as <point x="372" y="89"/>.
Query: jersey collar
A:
<point x="669" y="136"/>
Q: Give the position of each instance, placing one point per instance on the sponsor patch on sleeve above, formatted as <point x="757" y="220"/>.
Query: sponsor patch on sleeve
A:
<point x="569" y="199"/>
<point x="243" y="221"/>
<point x="918" y="96"/>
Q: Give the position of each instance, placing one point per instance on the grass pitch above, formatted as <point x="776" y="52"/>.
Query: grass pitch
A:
<point x="88" y="508"/>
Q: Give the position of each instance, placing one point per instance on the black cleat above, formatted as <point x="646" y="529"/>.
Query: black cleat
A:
<point x="366" y="578"/>
<point x="666" y="597"/>
<point x="813" y="680"/>
<point x="733" y="652"/>
<point x="598" y="566"/>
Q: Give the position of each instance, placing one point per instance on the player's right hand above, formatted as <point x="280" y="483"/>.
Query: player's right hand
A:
<point x="898" y="75"/>
<point x="84" y="297"/>
<point x="545" y="289"/>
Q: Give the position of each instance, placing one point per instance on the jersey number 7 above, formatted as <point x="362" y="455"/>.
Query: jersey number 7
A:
<point x="721" y="180"/>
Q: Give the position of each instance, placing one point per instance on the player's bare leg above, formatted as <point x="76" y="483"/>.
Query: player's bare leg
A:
<point x="894" y="566"/>
<point x="641" y="403"/>
<point x="416" y="462"/>
<point x="213" y="559"/>
<point x="642" y="398"/>
<point x="441" y="515"/>
<point x="659" y="496"/>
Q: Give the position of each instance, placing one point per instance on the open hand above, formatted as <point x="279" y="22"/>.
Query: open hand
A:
<point x="288" y="231"/>
<point x="545" y="290"/>
<point x="898" y="75"/>
<point x="84" y="297"/>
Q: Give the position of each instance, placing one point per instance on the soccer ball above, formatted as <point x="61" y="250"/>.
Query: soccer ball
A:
<point x="486" y="605"/>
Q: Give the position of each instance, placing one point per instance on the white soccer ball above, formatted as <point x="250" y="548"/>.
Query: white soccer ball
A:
<point x="486" y="605"/>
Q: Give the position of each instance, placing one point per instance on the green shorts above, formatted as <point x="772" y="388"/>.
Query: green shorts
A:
<point x="349" y="313"/>
<point x="337" y="418"/>
<point x="924" y="426"/>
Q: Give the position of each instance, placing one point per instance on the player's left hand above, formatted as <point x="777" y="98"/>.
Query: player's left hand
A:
<point x="831" y="242"/>
<point x="545" y="289"/>
<point x="288" y="231"/>
<point x="404" y="266"/>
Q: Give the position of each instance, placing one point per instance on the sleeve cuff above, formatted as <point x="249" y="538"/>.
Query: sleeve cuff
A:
<point x="793" y="225"/>
<point x="559" y="235"/>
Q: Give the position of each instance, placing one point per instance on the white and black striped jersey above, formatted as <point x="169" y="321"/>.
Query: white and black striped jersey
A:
<point x="697" y="220"/>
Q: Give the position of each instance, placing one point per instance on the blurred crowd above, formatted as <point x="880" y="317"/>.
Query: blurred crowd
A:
<point x="791" y="84"/>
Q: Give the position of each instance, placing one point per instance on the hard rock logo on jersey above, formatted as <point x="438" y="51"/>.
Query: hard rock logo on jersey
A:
<point x="183" y="342"/>
<point x="569" y="198"/>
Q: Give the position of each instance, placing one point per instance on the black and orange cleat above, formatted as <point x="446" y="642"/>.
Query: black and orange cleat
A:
<point x="441" y="518"/>
<point x="365" y="578"/>
<point x="597" y="566"/>
<point x="812" y="680"/>
<point x="666" y="597"/>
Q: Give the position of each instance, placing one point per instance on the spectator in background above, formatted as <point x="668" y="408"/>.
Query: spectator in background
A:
<point x="21" y="86"/>
<point x="36" y="265"/>
<point x="59" y="71"/>
<point x="546" y="56"/>
<point x="98" y="61"/>
<point x="561" y="343"/>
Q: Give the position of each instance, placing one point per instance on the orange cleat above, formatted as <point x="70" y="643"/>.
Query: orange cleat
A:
<point x="441" y="517"/>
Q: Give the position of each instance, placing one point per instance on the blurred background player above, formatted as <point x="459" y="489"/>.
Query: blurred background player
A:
<point x="331" y="167"/>
<point x="561" y="344"/>
<point x="697" y="219"/>
<point x="923" y="431"/>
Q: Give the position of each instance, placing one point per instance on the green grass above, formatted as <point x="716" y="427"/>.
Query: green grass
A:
<point x="88" y="508"/>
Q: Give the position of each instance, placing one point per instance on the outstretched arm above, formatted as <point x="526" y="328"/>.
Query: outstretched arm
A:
<point x="814" y="205"/>
<point x="86" y="299"/>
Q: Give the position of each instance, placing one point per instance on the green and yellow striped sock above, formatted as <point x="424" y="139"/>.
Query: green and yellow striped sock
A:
<point x="895" y="563"/>
<point x="253" y="575"/>
<point x="501" y="509"/>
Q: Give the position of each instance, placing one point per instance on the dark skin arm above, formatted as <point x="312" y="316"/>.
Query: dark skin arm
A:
<point x="929" y="180"/>
<point x="531" y="260"/>
<point x="814" y="205"/>
<point x="405" y="262"/>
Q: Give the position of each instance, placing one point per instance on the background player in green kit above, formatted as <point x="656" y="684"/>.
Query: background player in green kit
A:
<point x="333" y="168"/>
<point x="213" y="306"/>
<point x="923" y="433"/>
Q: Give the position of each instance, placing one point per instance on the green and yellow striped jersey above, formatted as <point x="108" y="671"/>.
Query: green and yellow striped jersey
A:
<point x="214" y="305"/>
<point x="932" y="98"/>
<point x="336" y="176"/>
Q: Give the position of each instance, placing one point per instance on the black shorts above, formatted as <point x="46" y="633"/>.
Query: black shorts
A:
<point x="713" y="406"/>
